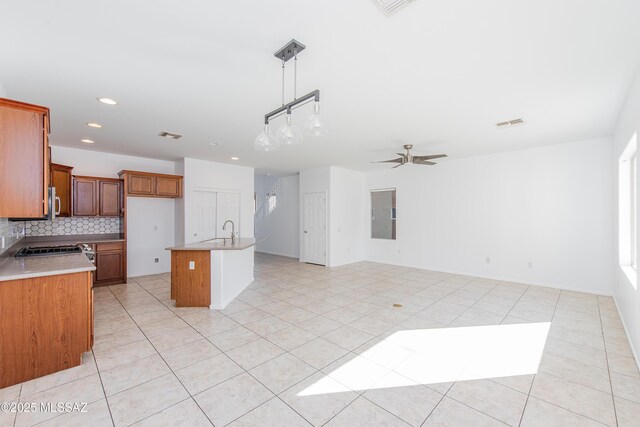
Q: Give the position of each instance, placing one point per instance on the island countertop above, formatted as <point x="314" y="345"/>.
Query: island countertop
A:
<point x="217" y="245"/>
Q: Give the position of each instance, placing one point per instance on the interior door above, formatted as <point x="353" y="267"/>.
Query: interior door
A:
<point x="315" y="228"/>
<point x="228" y="208"/>
<point x="205" y="216"/>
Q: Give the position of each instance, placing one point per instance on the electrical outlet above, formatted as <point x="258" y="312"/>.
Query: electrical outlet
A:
<point x="487" y="260"/>
<point x="192" y="265"/>
<point x="156" y="260"/>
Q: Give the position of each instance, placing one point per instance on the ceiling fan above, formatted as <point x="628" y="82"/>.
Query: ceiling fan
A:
<point x="407" y="158"/>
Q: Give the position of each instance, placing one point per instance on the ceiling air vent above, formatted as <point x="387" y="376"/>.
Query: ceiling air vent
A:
<point x="389" y="7"/>
<point x="171" y="135"/>
<point x="510" y="123"/>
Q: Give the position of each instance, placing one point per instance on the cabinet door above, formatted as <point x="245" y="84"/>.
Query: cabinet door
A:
<point x="142" y="185"/>
<point x="62" y="181"/>
<point x="22" y="162"/>
<point x="110" y="198"/>
<point x="168" y="186"/>
<point x="109" y="266"/>
<point x="85" y="197"/>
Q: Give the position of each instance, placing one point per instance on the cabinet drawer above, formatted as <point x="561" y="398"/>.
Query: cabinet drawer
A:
<point x="111" y="246"/>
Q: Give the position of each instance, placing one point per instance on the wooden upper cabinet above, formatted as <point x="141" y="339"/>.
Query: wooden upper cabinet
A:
<point x="24" y="160"/>
<point x="146" y="184"/>
<point x="61" y="179"/>
<point x="169" y="186"/>
<point x="110" y="195"/>
<point x="95" y="196"/>
<point x="85" y="196"/>
<point x="141" y="185"/>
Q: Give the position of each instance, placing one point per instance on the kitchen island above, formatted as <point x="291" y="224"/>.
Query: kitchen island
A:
<point x="46" y="314"/>
<point x="211" y="273"/>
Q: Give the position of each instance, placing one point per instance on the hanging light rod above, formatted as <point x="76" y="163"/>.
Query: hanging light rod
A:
<point x="315" y="95"/>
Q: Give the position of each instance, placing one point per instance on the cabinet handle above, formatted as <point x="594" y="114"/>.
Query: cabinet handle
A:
<point x="59" y="205"/>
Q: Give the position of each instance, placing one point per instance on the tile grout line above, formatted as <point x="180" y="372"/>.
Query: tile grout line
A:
<point x="534" y="375"/>
<point x="163" y="359"/>
<point x="228" y="379"/>
<point x="606" y="356"/>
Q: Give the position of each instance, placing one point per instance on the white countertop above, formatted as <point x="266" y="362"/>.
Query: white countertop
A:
<point x="12" y="268"/>
<point x="217" y="245"/>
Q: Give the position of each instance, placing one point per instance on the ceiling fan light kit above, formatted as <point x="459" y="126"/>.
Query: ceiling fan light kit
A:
<point x="289" y="133"/>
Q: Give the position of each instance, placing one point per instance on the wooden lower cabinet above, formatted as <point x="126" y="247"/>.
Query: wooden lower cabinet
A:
<point x="191" y="287"/>
<point x="46" y="323"/>
<point x="110" y="261"/>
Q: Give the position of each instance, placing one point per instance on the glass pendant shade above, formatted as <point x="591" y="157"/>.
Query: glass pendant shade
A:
<point x="266" y="141"/>
<point x="288" y="134"/>
<point x="314" y="125"/>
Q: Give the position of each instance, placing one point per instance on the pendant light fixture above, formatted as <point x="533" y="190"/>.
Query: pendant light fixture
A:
<point x="266" y="141"/>
<point x="289" y="133"/>
<point x="315" y="126"/>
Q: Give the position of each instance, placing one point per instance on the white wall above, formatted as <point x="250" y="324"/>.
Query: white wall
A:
<point x="314" y="181"/>
<point x="347" y="216"/>
<point x="217" y="176"/>
<point x="150" y="229"/>
<point x="548" y="206"/>
<point x="282" y="226"/>
<point x="179" y="208"/>
<point x="626" y="294"/>
<point x="150" y="221"/>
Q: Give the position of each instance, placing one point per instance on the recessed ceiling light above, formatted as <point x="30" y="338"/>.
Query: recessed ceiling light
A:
<point x="214" y="144"/>
<point x="235" y="158"/>
<point x="107" y="101"/>
<point x="88" y="141"/>
<point x="94" y="125"/>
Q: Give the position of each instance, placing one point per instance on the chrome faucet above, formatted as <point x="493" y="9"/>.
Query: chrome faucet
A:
<point x="233" y="230"/>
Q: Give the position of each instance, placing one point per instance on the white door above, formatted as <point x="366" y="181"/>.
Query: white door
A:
<point x="315" y="228"/>
<point x="205" y="216"/>
<point x="228" y="209"/>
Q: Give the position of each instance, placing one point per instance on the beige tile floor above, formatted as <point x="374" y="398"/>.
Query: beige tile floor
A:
<point x="310" y="345"/>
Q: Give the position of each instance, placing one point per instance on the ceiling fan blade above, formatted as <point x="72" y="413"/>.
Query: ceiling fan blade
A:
<point x="434" y="156"/>
<point x="398" y="160"/>
<point x="397" y="166"/>
<point x="422" y="162"/>
<point x="402" y="154"/>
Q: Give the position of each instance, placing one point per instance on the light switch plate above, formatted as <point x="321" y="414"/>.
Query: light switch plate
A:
<point x="192" y="265"/>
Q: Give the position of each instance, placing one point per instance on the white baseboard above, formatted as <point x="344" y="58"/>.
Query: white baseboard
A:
<point x="276" y="253"/>
<point x="626" y="333"/>
<point x="502" y="279"/>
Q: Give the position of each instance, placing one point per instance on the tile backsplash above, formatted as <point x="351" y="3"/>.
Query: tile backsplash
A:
<point x="11" y="231"/>
<point x="74" y="225"/>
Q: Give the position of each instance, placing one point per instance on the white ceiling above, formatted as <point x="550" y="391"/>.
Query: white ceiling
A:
<point x="438" y="74"/>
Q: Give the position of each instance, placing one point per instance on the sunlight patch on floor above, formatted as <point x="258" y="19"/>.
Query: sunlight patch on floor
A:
<point x="444" y="355"/>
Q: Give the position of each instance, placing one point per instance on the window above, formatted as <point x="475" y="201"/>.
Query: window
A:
<point x="272" y="201"/>
<point x="633" y="209"/>
<point x="383" y="214"/>
<point x="628" y="210"/>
